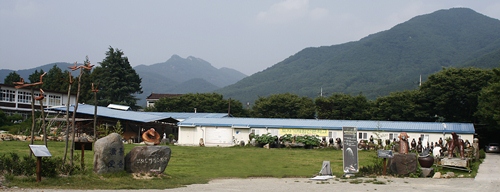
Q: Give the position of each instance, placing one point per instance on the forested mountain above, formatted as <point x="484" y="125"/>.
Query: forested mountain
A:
<point x="380" y="63"/>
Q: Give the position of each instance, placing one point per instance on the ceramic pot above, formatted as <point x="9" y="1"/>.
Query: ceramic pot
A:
<point x="426" y="162"/>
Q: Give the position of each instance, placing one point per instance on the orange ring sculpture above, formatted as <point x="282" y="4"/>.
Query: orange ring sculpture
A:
<point x="151" y="136"/>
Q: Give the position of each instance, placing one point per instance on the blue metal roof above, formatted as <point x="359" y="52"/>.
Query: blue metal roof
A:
<point x="184" y="115"/>
<point x="134" y="115"/>
<point x="362" y="125"/>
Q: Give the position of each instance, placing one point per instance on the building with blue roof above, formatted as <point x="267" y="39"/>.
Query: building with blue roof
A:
<point x="231" y="131"/>
<point x="133" y="122"/>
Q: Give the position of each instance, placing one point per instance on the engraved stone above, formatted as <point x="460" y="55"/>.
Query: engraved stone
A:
<point x="108" y="154"/>
<point x="147" y="159"/>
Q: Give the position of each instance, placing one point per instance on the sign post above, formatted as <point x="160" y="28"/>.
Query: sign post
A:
<point x="384" y="154"/>
<point x="350" y="150"/>
<point x="83" y="146"/>
<point x="39" y="151"/>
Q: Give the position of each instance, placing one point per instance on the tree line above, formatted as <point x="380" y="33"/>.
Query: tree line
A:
<point x="452" y="95"/>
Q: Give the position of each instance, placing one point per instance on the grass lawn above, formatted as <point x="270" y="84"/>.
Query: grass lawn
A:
<point x="190" y="165"/>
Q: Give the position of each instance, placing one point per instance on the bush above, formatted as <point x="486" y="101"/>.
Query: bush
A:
<point x="13" y="165"/>
<point x="265" y="139"/>
<point x="308" y="140"/>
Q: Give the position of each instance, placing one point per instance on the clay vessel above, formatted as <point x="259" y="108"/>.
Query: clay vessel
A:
<point x="426" y="162"/>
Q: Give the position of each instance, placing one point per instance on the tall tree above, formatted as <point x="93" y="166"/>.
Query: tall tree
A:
<point x="35" y="76"/>
<point x="86" y="94"/>
<point x="453" y="93"/>
<point x="400" y="106"/>
<point x="11" y="78"/>
<point x="117" y="80"/>
<point x="55" y="80"/>
<point x="285" y="105"/>
<point x="343" y="106"/>
<point x="488" y="109"/>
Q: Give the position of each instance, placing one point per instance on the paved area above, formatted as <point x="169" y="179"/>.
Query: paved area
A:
<point x="487" y="179"/>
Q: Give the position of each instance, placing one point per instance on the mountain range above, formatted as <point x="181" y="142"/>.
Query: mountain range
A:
<point x="384" y="62"/>
<point x="177" y="76"/>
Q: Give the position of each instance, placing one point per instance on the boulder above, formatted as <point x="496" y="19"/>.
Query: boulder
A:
<point x="109" y="154"/>
<point x="147" y="159"/>
<point x="403" y="164"/>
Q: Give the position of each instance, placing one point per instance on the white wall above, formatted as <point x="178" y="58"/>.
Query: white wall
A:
<point x="191" y="135"/>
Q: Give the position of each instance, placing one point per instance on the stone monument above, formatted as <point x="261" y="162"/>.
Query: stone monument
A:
<point x="147" y="159"/>
<point x="109" y="154"/>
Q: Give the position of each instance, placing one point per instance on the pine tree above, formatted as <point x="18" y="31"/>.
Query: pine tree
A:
<point x="117" y="80"/>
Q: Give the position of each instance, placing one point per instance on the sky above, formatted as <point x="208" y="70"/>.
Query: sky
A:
<point x="248" y="36"/>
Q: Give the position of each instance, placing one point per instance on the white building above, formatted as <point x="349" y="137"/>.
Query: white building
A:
<point x="14" y="100"/>
<point x="231" y="131"/>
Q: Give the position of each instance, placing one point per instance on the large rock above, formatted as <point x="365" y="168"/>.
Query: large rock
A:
<point x="109" y="154"/>
<point x="403" y="164"/>
<point x="147" y="159"/>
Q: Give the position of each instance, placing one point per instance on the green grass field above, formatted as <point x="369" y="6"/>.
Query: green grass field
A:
<point x="190" y="165"/>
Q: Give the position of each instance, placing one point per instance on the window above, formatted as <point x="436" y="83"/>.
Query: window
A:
<point x="362" y="135"/>
<point x="3" y="95"/>
<point x="54" y="100"/>
<point x="8" y="95"/>
<point x="23" y="97"/>
<point x="392" y="136"/>
<point x="332" y="134"/>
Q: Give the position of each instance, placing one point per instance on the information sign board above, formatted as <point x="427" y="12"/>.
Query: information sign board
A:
<point x="350" y="149"/>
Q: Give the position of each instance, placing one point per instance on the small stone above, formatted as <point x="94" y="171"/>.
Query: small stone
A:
<point x="347" y="176"/>
<point x="461" y="176"/>
<point x="266" y="146"/>
<point x="437" y="175"/>
<point x="450" y="174"/>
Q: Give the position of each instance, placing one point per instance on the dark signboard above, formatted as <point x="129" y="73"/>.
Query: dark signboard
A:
<point x="350" y="149"/>
<point x="83" y="146"/>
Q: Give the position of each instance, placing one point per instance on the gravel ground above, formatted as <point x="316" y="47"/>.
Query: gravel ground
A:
<point x="488" y="179"/>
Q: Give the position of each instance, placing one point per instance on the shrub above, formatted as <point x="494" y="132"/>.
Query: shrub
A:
<point x="13" y="165"/>
<point x="265" y="138"/>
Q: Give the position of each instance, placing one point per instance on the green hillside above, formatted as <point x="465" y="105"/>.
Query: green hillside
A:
<point x="380" y="63"/>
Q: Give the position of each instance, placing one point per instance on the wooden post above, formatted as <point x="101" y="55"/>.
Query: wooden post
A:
<point x="385" y="166"/>
<point x="82" y="144"/>
<point x="38" y="169"/>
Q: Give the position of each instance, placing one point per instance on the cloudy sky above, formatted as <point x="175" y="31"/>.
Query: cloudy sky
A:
<point x="248" y="36"/>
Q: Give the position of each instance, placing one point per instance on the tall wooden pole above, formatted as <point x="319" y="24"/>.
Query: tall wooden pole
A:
<point x="32" y="119"/>
<point x="95" y="111"/>
<point x="43" y="122"/>
<point x="74" y="117"/>
<point x="67" y="117"/>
